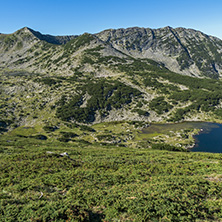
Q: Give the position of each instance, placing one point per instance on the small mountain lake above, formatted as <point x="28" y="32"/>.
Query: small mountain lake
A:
<point x="208" y="140"/>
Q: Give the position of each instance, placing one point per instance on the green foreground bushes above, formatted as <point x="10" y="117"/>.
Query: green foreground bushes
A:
<point x="110" y="183"/>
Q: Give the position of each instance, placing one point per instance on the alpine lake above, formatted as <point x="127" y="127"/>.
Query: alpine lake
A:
<point x="209" y="138"/>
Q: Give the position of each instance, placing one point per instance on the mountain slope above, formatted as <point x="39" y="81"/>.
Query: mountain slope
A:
<point x="29" y="50"/>
<point x="73" y="117"/>
<point x="182" y="50"/>
<point x="90" y="79"/>
<point x="59" y="40"/>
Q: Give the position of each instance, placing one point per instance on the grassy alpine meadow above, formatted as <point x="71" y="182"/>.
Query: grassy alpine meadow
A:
<point x="106" y="183"/>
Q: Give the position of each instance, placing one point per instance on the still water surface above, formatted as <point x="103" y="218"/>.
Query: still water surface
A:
<point x="209" y="139"/>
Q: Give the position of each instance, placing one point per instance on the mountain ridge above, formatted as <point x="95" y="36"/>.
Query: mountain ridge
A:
<point x="181" y="50"/>
<point x="78" y="139"/>
<point x="111" y="29"/>
<point x="133" y="74"/>
<point x="52" y="39"/>
<point x="151" y="44"/>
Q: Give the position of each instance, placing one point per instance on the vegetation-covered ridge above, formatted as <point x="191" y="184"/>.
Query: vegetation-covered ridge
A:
<point x="133" y="90"/>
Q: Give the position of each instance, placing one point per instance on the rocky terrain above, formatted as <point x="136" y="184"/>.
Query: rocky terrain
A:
<point x="181" y="50"/>
<point x="80" y="132"/>
<point x="129" y="74"/>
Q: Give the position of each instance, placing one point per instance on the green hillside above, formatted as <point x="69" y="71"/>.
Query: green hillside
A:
<point x="106" y="183"/>
<point x="93" y="96"/>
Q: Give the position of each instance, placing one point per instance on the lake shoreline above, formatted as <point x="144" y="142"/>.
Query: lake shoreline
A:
<point x="181" y="134"/>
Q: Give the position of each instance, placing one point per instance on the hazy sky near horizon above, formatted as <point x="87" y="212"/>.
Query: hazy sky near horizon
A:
<point x="70" y="17"/>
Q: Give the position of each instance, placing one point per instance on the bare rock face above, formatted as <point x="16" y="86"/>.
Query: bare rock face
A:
<point x="182" y="50"/>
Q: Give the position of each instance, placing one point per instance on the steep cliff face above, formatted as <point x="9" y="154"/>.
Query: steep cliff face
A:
<point x="181" y="50"/>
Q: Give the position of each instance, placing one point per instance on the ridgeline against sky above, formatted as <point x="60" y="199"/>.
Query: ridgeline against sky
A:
<point x="65" y="17"/>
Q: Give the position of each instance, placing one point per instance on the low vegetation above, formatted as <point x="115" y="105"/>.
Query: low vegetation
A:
<point x="100" y="183"/>
<point x="103" y="97"/>
<point x="73" y="140"/>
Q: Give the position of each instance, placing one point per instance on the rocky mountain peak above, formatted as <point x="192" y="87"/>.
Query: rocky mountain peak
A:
<point x="123" y="74"/>
<point x="19" y="40"/>
<point x="58" y="40"/>
<point x="23" y="31"/>
<point x="185" y="51"/>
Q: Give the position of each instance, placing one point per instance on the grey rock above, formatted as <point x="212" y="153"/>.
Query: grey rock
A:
<point x="181" y="50"/>
<point x="184" y="51"/>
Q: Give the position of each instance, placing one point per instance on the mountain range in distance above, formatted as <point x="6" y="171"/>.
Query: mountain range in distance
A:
<point x="181" y="50"/>
<point x="133" y="74"/>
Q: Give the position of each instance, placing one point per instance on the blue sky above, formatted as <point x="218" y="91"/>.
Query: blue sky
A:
<point x="63" y="17"/>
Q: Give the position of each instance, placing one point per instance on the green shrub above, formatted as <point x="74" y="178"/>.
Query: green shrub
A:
<point x="159" y="105"/>
<point x="39" y="137"/>
<point x="86" y="128"/>
<point x="105" y="95"/>
<point x="141" y="112"/>
<point x="50" y="128"/>
<point x="164" y="146"/>
<point x="49" y="81"/>
<point x="69" y="134"/>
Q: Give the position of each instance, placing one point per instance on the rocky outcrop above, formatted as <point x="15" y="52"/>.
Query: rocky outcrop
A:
<point x="58" y="40"/>
<point x="181" y="50"/>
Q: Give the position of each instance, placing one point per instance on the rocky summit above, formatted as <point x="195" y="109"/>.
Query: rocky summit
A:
<point x="181" y="50"/>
